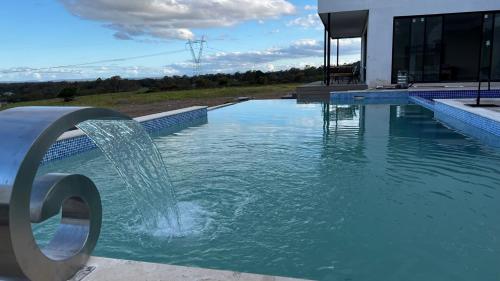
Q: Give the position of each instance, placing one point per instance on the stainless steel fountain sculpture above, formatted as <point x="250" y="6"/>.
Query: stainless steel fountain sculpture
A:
<point x="26" y="134"/>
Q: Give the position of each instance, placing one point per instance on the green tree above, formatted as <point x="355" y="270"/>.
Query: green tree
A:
<point x="68" y="94"/>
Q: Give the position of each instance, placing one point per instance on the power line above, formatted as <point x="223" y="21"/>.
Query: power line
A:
<point x="218" y="50"/>
<point x="91" y="63"/>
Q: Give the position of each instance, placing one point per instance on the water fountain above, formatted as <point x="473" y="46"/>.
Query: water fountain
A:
<point x="26" y="135"/>
<point x="135" y="157"/>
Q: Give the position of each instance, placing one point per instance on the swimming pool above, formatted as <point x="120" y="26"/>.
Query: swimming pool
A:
<point x="346" y="192"/>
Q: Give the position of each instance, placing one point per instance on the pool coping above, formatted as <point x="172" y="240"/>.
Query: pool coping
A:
<point x="461" y="105"/>
<point x="222" y="105"/>
<point x="480" y="123"/>
<point x="75" y="142"/>
<point x="106" y="269"/>
<point x="141" y="119"/>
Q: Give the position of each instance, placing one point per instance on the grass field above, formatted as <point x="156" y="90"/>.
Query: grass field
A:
<point x="137" y="103"/>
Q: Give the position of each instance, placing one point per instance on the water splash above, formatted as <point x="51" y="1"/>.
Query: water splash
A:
<point x="195" y="220"/>
<point x="135" y="157"/>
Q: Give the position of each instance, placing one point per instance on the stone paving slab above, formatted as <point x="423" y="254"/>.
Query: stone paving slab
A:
<point x="104" y="269"/>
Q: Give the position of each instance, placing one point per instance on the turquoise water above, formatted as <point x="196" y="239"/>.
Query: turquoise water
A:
<point x="375" y="192"/>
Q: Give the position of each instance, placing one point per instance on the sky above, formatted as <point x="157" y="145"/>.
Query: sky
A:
<point x="44" y="40"/>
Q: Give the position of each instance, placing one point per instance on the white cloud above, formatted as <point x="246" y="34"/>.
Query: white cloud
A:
<point x="309" y="21"/>
<point x="310" y="7"/>
<point x="299" y="53"/>
<point x="264" y="59"/>
<point x="37" y="76"/>
<point x="169" y="19"/>
<point x="349" y="42"/>
<point x="84" y="73"/>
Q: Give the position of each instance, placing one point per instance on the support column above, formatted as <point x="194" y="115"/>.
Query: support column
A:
<point x="325" y="38"/>
<point x="328" y="65"/>
<point x="492" y="46"/>
<point x="338" y="51"/>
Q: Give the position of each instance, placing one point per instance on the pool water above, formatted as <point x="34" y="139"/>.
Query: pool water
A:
<point x="325" y="192"/>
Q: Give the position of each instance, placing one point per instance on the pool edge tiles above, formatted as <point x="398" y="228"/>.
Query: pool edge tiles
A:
<point x="479" y="123"/>
<point x="473" y="122"/>
<point x="408" y="94"/>
<point x="429" y="104"/>
<point x="76" y="142"/>
<point x="369" y="97"/>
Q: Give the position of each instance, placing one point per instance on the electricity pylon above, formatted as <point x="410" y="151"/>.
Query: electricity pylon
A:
<point x="196" y="47"/>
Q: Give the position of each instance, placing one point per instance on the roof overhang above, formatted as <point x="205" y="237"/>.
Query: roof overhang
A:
<point x="346" y="24"/>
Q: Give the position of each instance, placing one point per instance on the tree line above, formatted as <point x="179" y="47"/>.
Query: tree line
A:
<point x="30" y="91"/>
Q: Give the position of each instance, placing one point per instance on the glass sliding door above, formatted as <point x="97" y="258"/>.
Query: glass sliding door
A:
<point x="461" y="46"/>
<point x="495" y="67"/>
<point x="417" y="36"/>
<point x="447" y="48"/>
<point x="486" y="47"/>
<point x="432" y="52"/>
<point x="401" y="46"/>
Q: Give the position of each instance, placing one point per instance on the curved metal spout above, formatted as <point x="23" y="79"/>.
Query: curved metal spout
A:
<point x="26" y="134"/>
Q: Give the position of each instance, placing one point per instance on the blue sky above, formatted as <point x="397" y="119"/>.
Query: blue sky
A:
<point x="50" y="39"/>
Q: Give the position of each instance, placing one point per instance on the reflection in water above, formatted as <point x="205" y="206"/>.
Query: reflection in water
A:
<point x="410" y="194"/>
<point x="339" y="116"/>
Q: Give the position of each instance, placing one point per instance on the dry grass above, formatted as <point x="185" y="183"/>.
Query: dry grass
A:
<point x="138" y="103"/>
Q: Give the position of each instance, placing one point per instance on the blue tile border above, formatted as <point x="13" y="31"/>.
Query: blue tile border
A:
<point x="445" y="112"/>
<point x="407" y="94"/>
<point x="429" y="104"/>
<point x="368" y="96"/>
<point x="423" y="98"/>
<point x="479" y="127"/>
<point x="468" y="123"/>
<point x="155" y="123"/>
<point x="454" y="94"/>
<point x="161" y="123"/>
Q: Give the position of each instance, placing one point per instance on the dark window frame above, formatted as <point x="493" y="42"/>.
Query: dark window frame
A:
<point x="393" y="75"/>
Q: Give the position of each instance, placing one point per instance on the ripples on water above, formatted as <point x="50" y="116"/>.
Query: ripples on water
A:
<point x="373" y="193"/>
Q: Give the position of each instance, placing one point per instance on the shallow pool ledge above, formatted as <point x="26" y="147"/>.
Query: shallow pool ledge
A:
<point x="104" y="269"/>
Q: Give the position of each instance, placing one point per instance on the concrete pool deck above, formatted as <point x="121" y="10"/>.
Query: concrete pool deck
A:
<point x="492" y="113"/>
<point x="104" y="269"/>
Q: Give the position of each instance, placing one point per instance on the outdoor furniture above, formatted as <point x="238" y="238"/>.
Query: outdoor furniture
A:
<point x="342" y="73"/>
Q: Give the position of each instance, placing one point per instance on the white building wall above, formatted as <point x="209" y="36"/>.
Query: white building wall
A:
<point x="380" y="24"/>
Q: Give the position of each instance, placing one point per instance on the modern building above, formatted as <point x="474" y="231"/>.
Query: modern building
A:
<point x="431" y="40"/>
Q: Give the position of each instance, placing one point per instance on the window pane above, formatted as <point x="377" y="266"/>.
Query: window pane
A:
<point x="461" y="47"/>
<point x="486" y="46"/>
<point x="496" y="50"/>
<point x="401" y="46"/>
<point x="432" y="56"/>
<point x="417" y="49"/>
